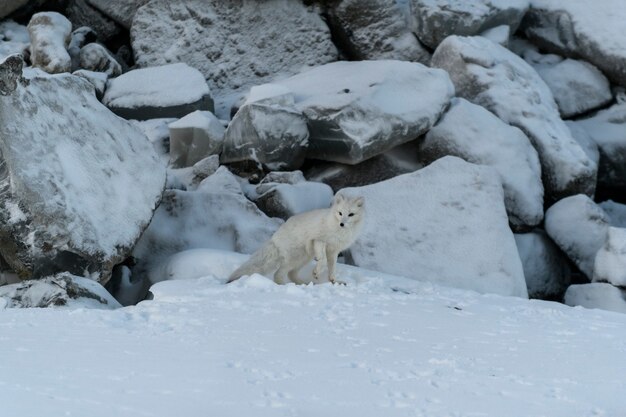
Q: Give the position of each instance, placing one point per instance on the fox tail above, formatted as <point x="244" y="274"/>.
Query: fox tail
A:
<point x="263" y="261"/>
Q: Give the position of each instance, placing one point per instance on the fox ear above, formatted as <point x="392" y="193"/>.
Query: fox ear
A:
<point x="360" y="201"/>
<point x="338" y="199"/>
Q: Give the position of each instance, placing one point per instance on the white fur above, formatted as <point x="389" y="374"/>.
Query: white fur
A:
<point x="317" y="234"/>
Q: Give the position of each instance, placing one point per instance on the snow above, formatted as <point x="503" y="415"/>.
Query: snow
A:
<point x="615" y="211"/>
<point x="610" y="261"/>
<point x="381" y="345"/>
<point x="14" y="38"/>
<point x="597" y="295"/>
<point x="162" y="86"/>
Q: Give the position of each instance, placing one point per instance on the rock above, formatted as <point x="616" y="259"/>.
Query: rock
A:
<point x="610" y="262"/>
<point x="607" y="129"/>
<point x="546" y="269"/>
<point x="122" y="11"/>
<point x="458" y="236"/>
<point x="95" y="57"/>
<point x="194" y="137"/>
<point x="400" y="160"/>
<point x="596" y="295"/>
<point x="616" y="213"/>
<point x="268" y="129"/>
<point x="585" y="141"/>
<point x="10" y="74"/>
<point x="14" y="39"/>
<point x="61" y="290"/>
<point x="499" y="34"/>
<point x="188" y="178"/>
<point x="579" y="227"/>
<point x="235" y="46"/>
<point x="96" y="185"/>
<point x="577" y="86"/>
<point x="50" y="34"/>
<point x="476" y="135"/>
<point x="80" y="37"/>
<point x="492" y="76"/>
<point x="375" y="29"/>
<point x="9" y="6"/>
<point x="81" y="13"/>
<point x="173" y="90"/>
<point x="592" y="31"/>
<point x="435" y="20"/>
<point x="158" y="133"/>
<point x="356" y="110"/>
<point x="97" y="79"/>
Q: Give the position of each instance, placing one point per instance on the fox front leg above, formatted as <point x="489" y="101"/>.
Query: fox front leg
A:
<point x="331" y="259"/>
<point x="319" y="253"/>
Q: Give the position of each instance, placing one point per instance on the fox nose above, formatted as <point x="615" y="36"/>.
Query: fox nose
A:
<point x="341" y="224"/>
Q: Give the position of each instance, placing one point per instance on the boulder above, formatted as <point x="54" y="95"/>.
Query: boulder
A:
<point x="50" y="35"/>
<point x="80" y="37"/>
<point x="194" y="137"/>
<point x="81" y="13"/>
<point x="446" y="224"/>
<point x="500" y="35"/>
<point x="596" y="295"/>
<point x="490" y="75"/>
<point x="97" y="182"/>
<point x="476" y="135"/>
<point x="188" y="178"/>
<point x="592" y="31"/>
<point x="585" y="141"/>
<point x="267" y="129"/>
<point x="61" y="290"/>
<point x="95" y="57"/>
<point x="356" y="110"/>
<point x="615" y="211"/>
<point x="610" y="262"/>
<point x="579" y="227"/>
<point x="9" y="6"/>
<point x="607" y="129"/>
<point x="97" y="79"/>
<point x="375" y="29"/>
<point x="173" y="90"/>
<point x="435" y="20"/>
<point x="14" y="38"/>
<point x="546" y="268"/>
<point x="122" y="11"/>
<point x="235" y="46"/>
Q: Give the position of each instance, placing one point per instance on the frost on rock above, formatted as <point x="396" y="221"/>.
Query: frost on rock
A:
<point x="356" y="110"/>
<point x="435" y="20"/>
<point x="490" y="75"/>
<point x="607" y="129"/>
<point x="173" y="90"/>
<point x="194" y="137"/>
<point x="593" y="31"/>
<point x="375" y="29"/>
<point x="546" y="269"/>
<point x="476" y="135"/>
<point x="579" y="227"/>
<point x="121" y="11"/>
<point x="616" y="213"/>
<point x="610" y="262"/>
<point x="77" y="190"/>
<point x="14" y="38"/>
<point x="235" y="44"/>
<point x="596" y="295"/>
<point x="61" y="290"/>
<point x="446" y="224"/>
<point x="50" y="34"/>
<point x="95" y="57"/>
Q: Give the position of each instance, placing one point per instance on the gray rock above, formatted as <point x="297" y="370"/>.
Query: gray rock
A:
<point x="122" y="11"/>
<point x="597" y="295"/>
<point x="499" y="34"/>
<point x="61" y="290"/>
<point x="435" y="20"/>
<point x="80" y="37"/>
<point x="10" y="74"/>
<point x="9" y="6"/>
<point x="610" y="262"/>
<point x="173" y="90"/>
<point x="476" y="135"/>
<point x="95" y="57"/>
<point x="616" y="213"/>
<point x="490" y="75"/>
<point x="50" y="34"/>
<point x="375" y="29"/>
<point x="96" y="185"/>
<point x="585" y="141"/>
<point x="194" y="137"/>
<point x="579" y="227"/>
<point x="188" y="178"/>
<point x="546" y="269"/>
<point x="97" y="79"/>
<point x="81" y="13"/>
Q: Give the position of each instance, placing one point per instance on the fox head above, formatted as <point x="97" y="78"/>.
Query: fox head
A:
<point x="348" y="211"/>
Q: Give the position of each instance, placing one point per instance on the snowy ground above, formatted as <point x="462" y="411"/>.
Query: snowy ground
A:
<point x="380" y="346"/>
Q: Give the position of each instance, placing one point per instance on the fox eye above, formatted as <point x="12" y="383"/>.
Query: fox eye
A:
<point x="351" y="214"/>
<point x="340" y="214"/>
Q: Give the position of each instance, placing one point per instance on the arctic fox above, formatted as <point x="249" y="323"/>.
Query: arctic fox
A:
<point x="318" y="234"/>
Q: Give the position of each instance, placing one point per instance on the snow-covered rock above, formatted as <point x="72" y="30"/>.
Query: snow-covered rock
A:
<point x="500" y="35"/>
<point x="10" y="73"/>
<point x="435" y="20"/>
<point x="97" y="79"/>
<point x="9" y="6"/>
<point x="356" y="110"/>
<point x="607" y="128"/>
<point x="50" y="34"/>
<point x="188" y="178"/>
<point x="546" y="269"/>
<point x="122" y="11"/>
<point x="173" y="90"/>
<point x="194" y="137"/>
<point x="95" y="57"/>
<point x="585" y="141"/>
<point x="267" y="129"/>
<point x="80" y="37"/>
<point x="490" y="75"/>
<point x="375" y="29"/>
<point x="446" y="224"/>
<point x="610" y="262"/>
<point x="61" y="290"/>
<point x="476" y="135"/>
<point x="579" y="227"/>
<point x="14" y="38"/>
<point x="234" y="46"/>
<point x="158" y="133"/>
<point x="615" y="211"/>
<point x="596" y="295"/>
<point x="77" y="190"/>
<point x="593" y="31"/>
<point x="81" y="13"/>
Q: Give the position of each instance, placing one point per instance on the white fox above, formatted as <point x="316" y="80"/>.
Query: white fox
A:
<point x="318" y="234"/>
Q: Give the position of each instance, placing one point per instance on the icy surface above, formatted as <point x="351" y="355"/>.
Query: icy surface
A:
<point x="446" y="224"/>
<point x="610" y="263"/>
<point x="380" y="346"/>
<point x="597" y="295"/>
